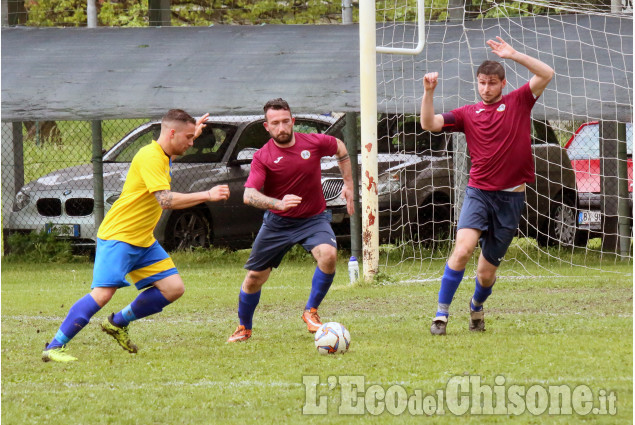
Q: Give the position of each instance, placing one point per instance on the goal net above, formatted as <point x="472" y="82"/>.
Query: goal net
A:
<point x="579" y="210"/>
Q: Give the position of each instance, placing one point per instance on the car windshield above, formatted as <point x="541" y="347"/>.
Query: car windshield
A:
<point x="586" y="143"/>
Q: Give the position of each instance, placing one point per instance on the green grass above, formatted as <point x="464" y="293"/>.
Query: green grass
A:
<point x="571" y="327"/>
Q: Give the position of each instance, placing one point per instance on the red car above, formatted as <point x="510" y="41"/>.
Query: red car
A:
<point x="584" y="151"/>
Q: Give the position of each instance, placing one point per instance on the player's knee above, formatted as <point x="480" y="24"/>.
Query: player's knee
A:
<point x="326" y="257"/>
<point x="102" y="295"/>
<point x="486" y="278"/>
<point x="254" y="281"/>
<point x="178" y="291"/>
<point x="174" y="291"/>
<point x="462" y="254"/>
<point x="327" y="262"/>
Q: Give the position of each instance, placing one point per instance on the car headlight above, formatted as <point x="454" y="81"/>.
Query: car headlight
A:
<point x="112" y="198"/>
<point x="389" y="184"/>
<point x="22" y="199"/>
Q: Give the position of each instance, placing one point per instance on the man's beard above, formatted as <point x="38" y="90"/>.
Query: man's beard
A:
<point x="494" y="99"/>
<point x="283" y="139"/>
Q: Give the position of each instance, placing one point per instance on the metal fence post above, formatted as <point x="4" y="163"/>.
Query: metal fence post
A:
<point x="352" y="144"/>
<point x="609" y="182"/>
<point x="159" y="13"/>
<point x="622" y="193"/>
<point x="347" y="12"/>
<point x="98" y="172"/>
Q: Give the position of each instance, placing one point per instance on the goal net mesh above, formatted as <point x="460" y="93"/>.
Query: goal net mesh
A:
<point x="579" y="210"/>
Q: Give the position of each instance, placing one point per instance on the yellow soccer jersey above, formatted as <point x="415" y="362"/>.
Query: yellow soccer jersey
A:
<point x="134" y="215"/>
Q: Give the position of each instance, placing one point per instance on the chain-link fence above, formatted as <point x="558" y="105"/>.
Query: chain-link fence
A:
<point x="53" y="179"/>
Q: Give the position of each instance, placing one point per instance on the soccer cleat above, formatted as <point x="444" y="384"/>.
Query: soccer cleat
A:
<point x="120" y="334"/>
<point x="477" y="320"/>
<point x="312" y="320"/>
<point x="439" y="324"/>
<point x="240" y="334"/>
<point x="57" y="354"/>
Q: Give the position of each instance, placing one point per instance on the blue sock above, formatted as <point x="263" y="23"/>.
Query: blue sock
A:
<point x="148" y="302"/>
<point x="449" y="284"/>
<point x="480" y="295"/>
<point x="247" y="304"/>
<point x="319" y="287"/>
<point x="78" y="316"/>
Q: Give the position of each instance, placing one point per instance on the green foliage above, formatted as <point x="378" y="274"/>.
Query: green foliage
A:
<point x="123" y="13"/>
<point x="39" y="247"/>
<point x="46" y="13"/>
<point x="130" y="13"/>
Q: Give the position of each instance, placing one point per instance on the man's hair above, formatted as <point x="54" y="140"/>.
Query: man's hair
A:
<point x="491" y="68"/>
<point x="277" y="105"/>
<point x="178" y="115"/>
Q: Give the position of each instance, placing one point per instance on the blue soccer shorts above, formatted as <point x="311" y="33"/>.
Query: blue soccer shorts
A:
<point x="496" y="214"/>
<point x="144" y="266"/>
<point x="277" y="236"/>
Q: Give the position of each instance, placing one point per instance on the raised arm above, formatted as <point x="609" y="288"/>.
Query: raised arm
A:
<point x="543" y="73"/>
<point x="344" y="162"/>
<point x="429" y="120"/>
<point x="177" y="201"/>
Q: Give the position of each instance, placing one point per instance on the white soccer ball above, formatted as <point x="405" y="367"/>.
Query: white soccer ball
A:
<point x="332" y="338"/>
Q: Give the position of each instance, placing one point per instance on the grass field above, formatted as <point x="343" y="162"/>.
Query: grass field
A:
<point x="572" y="328"/>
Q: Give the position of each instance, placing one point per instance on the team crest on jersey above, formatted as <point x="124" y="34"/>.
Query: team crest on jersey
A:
<point x="305" y="154"/>
<point x="501" y="108"/>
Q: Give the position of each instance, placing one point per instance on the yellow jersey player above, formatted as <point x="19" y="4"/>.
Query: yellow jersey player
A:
<point x="126" y="244"/>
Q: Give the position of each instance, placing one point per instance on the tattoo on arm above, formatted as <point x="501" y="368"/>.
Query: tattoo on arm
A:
<point x="257" y="199"/>
<point x="165" y="198"/>
<point x="343" y="158"/>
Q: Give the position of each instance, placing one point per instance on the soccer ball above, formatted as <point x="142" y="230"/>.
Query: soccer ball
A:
<point x="332" y="338"/>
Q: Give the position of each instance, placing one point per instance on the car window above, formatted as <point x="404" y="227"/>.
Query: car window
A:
<point x="127" y="152"/>
<point x="586" y="143"/>
<point x="255" y="135"/>
<point x="409" y="137"/>
<point x="211" y="145"/>
<point x="303" y="125"/>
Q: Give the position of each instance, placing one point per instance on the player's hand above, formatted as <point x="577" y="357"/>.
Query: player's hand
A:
<point x="200" y="125"/>
<point x="430" y="81"/>
<point x="500" y="48"/>
<point x="288" y="202"/>
<point x="219" y="193"/>
<point x="347" y="195"/>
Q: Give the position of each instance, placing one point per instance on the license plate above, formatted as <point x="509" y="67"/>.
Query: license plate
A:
<point x="71" y="230"/>
<point x="589" y="217"/>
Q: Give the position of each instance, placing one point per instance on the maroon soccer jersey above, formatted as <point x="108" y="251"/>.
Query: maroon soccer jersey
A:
<point x="293" y="171"/>
<point x="499" y="139"/>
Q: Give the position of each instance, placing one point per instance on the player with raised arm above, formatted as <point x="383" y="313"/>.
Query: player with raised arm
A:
<point x="285" y="179"/>
<point x="126" y="244"/>
<point x="498" y="134"/>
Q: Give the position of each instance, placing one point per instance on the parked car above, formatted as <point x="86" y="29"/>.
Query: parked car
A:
<point x="583" y="149"/>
